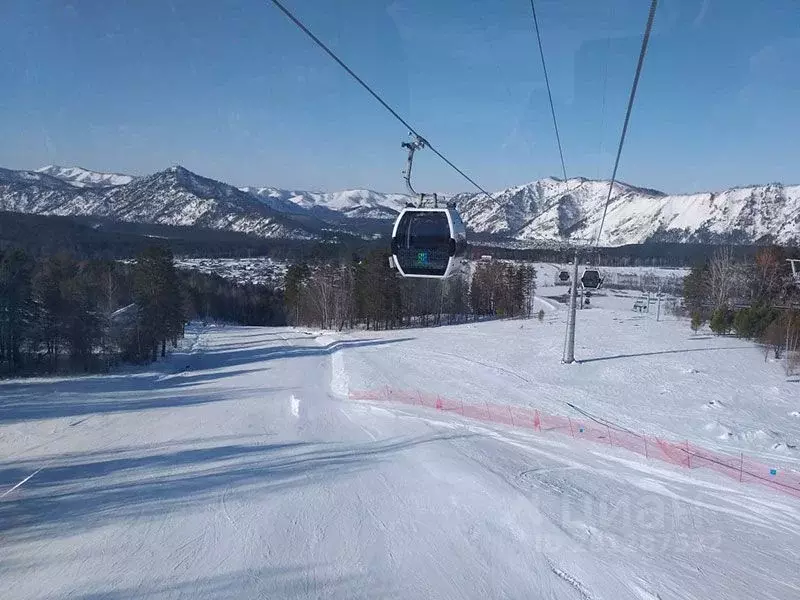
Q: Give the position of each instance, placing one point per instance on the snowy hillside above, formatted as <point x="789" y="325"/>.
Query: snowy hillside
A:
<point x="364" y="204"/>
<point x="80" y="177"/>
<point x="545" y="210"/>
<point x="553" y="209"/>
<point x="175" y="196"/>
<point x="241" y="468"/>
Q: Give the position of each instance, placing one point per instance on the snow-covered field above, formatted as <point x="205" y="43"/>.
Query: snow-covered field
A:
<point x="239" y="469"/>
<point x="260" y="270"/>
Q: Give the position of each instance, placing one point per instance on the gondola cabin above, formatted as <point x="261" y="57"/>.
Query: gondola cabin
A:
<point x="591" y="279"/>
<point x="428" y="242"/>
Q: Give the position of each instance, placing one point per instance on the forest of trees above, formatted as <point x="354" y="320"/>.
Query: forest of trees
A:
<point x="60" y="314"/>
<point x="661" y="254"/>
<point x="367" y="292"/>
<point x="754" y="299"/>
<point x="97" y="237"/>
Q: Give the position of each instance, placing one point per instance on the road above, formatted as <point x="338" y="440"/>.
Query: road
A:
<point x="235" y="471"/>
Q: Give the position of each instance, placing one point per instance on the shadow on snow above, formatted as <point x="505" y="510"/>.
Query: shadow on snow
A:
<point x="85" y="492"/>
<point x="682" y="351"/>
<point x="81" y="396"/>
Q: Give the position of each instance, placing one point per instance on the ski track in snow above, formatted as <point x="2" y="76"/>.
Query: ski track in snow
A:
<point x="238" y="469"/>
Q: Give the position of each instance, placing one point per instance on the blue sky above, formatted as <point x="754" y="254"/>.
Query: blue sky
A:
<point x="232" y="90"/>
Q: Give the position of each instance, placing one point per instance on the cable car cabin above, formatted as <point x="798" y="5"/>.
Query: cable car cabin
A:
<point x="428" y="242"/>
<point x="591" y="279"/>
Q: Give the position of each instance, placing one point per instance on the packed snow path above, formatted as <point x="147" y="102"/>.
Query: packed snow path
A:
<point x="238" y="472"/>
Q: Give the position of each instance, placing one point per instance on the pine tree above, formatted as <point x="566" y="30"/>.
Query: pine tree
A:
<point x="159" y="301"/>
<point x="697" y="321"/>
<point x="52" y="303"/>
<point x="721" y="321"/>
<point x="15" y="307"/>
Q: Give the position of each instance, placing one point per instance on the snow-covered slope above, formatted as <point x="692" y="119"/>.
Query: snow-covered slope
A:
<point x="236" y="469"/>
<point x="80" y="177"/>
<point x="545" y="210"/>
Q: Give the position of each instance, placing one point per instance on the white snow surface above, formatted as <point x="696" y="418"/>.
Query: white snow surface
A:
<point x="238" y="468"/>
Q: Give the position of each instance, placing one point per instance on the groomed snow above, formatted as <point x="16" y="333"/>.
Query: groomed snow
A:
<point x="653" y="377"/>
<point x="239" y="469"/>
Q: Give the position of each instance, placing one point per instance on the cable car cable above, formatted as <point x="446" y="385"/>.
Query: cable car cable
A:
<point x="642" y="53"/>
<point x="549" y="93"/>
<point x="372" y="92"/>
<point x="601" y="150"/>
<point x="394" y="113"/>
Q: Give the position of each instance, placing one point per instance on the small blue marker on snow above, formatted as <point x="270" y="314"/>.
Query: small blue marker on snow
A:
<point x="773" y="471"/>
<point x="581" y="429"/>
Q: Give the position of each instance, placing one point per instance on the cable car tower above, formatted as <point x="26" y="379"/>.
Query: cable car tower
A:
<point x="427" y="242"/>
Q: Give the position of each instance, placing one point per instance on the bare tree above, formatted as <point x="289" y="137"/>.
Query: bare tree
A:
<point x="774" y="338"/>
<point x="723" y="279"/>
<point x="768" y="274"/>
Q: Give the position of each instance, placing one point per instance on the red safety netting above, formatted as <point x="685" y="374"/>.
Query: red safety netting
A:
<point x="685" y="454"/>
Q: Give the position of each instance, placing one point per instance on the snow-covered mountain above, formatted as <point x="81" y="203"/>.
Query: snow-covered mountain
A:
<point x="175" y="196"/>
<point x="80" y="177"/>
<point x="548" y="209"/>
<point x="362" y="204"/>
<point x="552" y="209"/>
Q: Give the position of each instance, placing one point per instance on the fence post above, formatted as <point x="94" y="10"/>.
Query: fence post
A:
<point x="388" y="393"/>
<point x="741" y="465"/>
<point x="608" y="429"/>
<point x="487" y="410"/>
<point x="688" y="456"/>
<point x="438" y="402"/>
<point x="419" y="396"/>
<point x="645" y="446"/>
<point x="511" y="416"/>
<point x="537" y="422"/>
<point x="570" y="427"/>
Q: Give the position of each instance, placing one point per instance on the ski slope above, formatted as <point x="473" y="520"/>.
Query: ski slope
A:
<point x="239" y="469"/>
<point x="654" y="377"/>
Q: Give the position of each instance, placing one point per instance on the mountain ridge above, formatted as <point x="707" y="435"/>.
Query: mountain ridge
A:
<point x="81" y="177"/>
<point x="547" y="209"/>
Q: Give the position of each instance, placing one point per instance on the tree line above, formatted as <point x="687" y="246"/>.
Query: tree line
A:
<point x="366" y="292"/>
<point x="87" y="237"/>
<point x="754" y="298"/>
<point x="61" y="314"/>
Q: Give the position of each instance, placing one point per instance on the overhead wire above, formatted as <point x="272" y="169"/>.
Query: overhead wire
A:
<point x="645" y="39"/>
<point x="604" y="94"/>
<point x="549" y="92"/>
<point x="294" y="19"/>
<point x="372" y="92"/>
